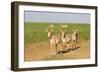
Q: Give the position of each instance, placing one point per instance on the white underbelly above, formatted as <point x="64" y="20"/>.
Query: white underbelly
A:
<point x="54" y="41"/>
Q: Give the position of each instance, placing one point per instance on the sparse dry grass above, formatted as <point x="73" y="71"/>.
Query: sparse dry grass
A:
<point x="42" y="51"/>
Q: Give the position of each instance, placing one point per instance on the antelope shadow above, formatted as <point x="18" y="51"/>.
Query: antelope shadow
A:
<point x="68" y="50"/>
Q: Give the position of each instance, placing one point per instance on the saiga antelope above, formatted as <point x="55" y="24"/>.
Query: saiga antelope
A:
<point x="54" y="41"/>
<point x="65" y="40"/>
<point x="74" y="38"/>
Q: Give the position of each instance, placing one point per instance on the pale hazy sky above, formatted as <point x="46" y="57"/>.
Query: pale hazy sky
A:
<point x="53" y="17"/>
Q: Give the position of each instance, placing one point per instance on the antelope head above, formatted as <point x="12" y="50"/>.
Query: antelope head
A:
<point x="75" y="31"/>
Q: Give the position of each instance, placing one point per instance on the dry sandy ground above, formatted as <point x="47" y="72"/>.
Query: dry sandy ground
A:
<point x="42" y="51"/>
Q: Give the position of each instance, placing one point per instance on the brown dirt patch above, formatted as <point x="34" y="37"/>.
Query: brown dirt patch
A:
<point x="42" y="51"/>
